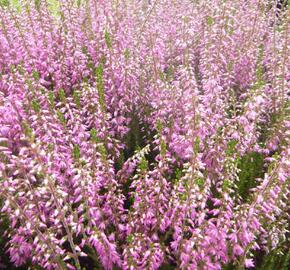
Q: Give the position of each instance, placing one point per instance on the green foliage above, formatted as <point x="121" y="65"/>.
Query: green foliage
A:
<point x="108" y="39"/>
<point x="200" y="182"/>
<point x="35" y="75"/>
<point x="50" y="147"/>
<point x="100" y="147"/>
<point x="120" y="161"/>
<point x="167" y="266"/>
<point x="209" y="20"/>
<point x="230" y="66"/>
<point x="51" y="99"/>
<point x="20" y="69"/>
<point x="259" y="70"/>
<point x="229" y="26"/>
<point x="76" y="152"/>
<point x="162" y="76"/>
<point x="273" y="164"/>
<point x="28" y="131"/>
<point x="167" y="75"/>
<point x="103" y="151"/>
<point x="251" y="167"/>
<point x="231" y="147"/>
<point x="163" y="147"/>
<point x="4" y="3"/>
<point x="60" y="117"/>
<point x="196" y="145"/>
<point x="103" y="60"/>
<point x="159" y="126"/>
<point x="178" y="174"/>
<point x="94" y="136"/>
<point x="62" y="96"/>
<point x="77" y="99"/>
<point x="54" y="7"/>
<point x="127" y="54"/>
<point x="130" y="238"/>
<point x="170" y="73"/>
<point x="229" y="266"/>
<point x="100" y="86"/>
<point x="35" y="105"/>
<point x="143" y="165"/>
<point x="91" y="64"/>
<point x="275" y="260"/>
<point x="226" y="184"/>
<point x="37" y="4"/>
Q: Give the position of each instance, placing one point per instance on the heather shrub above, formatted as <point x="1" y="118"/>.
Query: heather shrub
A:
<point x="144" y="134"/>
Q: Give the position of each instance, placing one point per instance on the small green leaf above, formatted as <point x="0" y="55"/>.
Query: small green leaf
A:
<point x="37" y="4"/>
<point x="76" y="152"/>
<point x="60" y="117"/>
<point x="200" y="182"/>
<point x="28" y="130"/>
<point x="94" y="136"/>
<point x="159" y="126"/>
<point x="100" y="86"/>
<point x="77" y="99"/>
<point x="130" y="238"/>
<point x="170" y="73"/>
<point x="108" y="39"/>
<point x="182" y="196"/>
<point x="4" y="3"/>
<point x="196" y="145"/>
<point x="84" y="50"/>
<point x="103" y="60"/>
<point x="35" y="105"/>
<point x="230" y="65"/>
<point x="35" y="75"/>
<point x="12" y="68"/>
<point x="40" y="175"/>
<point x="91" y="65"/>
<point x="51" y="98"/>
<point x="20" y="69"/>
<point x="103" y="152"/>
<point x="163" y="148"/>
<point x="61" y="96"/>
<point x="127" y="53"/>
<point x="178" y="175"/>
<point x="226" y="184"/>
<point x="99" y="72"/>
<point x="50" y="147"/>
<point x="231" y="147"/>
<point x="143" y="165"/>
<point x="251" y="167"/>
<point x="162" y="76"/>
<point x="209" y="20"/>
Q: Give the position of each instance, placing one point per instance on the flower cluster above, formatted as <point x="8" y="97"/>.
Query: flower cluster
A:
<point x="143" y="134"/>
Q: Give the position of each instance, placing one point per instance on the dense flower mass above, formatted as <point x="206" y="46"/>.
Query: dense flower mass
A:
<point x="142" y="134"/>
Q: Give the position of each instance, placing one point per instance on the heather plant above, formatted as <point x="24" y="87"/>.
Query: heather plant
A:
<point x="144" y="134"/>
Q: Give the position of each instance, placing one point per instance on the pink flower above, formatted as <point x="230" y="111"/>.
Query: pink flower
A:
<point x="249" y="263"/>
